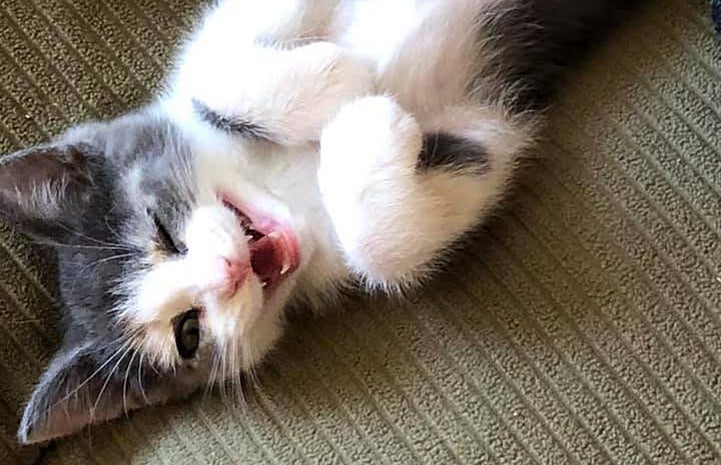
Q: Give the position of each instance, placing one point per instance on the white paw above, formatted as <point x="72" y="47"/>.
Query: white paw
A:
<point x="373" y="136"/>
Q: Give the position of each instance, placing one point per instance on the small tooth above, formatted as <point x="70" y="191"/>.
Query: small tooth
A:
<point x="263" y="283"/>
<point x="286" y="267"/>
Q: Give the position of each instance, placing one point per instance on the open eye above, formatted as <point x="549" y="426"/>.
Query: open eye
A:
<point x="187" y="333"/>
<point x="166" y="239"/>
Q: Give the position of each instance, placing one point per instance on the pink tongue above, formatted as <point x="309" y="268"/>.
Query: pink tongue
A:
<point x="263" y="258"/>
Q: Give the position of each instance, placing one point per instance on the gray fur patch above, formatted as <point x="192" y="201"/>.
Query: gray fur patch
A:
<point x="112" y="179"/>
<point x="79" y="387"/>
<point x="539" y="40"/>
<point x="230" y="124"/>
<point x="443" y="150"/>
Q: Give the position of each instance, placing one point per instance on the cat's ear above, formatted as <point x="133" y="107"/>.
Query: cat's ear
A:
<point x="81" y="387"/>
<point x="65" y="397"/>
<point x="44" y="188"/>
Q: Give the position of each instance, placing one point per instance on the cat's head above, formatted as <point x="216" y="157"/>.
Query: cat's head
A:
<point x="173" y="274"/>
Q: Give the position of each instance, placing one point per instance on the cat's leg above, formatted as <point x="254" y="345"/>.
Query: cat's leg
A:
<point x="278" y="22"/>
<point x="393" y="215"/>
<point x="257" y="69"/>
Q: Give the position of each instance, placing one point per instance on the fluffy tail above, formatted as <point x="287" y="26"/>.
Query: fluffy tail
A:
<point x="540" y="39"/>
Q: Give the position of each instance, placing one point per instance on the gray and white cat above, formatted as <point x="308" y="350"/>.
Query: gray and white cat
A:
<point x="299" y="146"/>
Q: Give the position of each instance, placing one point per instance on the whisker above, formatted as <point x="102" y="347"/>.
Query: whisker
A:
<point x="140" y="379"/>
<point x="212" y="378"/>
<point x="83" y="236"/>
<point x="107" y="381"/>
<point x="113" y="230"/>
<point x="96" y="264"/>
<point x="125" y="382"/>
<point x="237" y="384"/>
<point x="82" y="246"/>
<point x="224" y="375"/>
<point x="89" y="378"/>
<point x="248" y="367"/>
<point x="108" y="259"/>
<point x="231" y="369"/>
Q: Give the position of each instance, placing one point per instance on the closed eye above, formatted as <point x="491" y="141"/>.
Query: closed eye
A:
<point x="166" y="239"/>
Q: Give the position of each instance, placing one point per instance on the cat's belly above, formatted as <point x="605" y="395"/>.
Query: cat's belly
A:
<point x="424" y="52"/>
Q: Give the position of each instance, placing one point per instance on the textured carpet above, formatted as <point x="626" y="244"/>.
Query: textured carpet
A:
<point x="583" y="327"/>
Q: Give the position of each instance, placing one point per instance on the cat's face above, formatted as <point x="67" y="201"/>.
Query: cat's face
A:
<point x="174" y="271"/>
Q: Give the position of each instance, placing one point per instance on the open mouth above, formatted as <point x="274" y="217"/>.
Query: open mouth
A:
<point x="273" y="247"/>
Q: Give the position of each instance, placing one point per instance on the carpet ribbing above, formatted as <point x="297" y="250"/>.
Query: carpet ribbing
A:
<point x="583" y="326"/>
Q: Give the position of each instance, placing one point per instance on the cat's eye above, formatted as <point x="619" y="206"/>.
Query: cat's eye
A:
<point x="187" y="333"/>
<point x="166" y="239"/>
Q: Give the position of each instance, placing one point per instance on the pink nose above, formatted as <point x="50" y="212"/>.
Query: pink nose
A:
<point x="236" y="272"/>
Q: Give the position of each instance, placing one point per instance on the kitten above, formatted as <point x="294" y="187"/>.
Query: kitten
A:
<point x="299" y="146"/>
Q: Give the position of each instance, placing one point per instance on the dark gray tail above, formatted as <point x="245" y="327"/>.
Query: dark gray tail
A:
<point x="540" y="39"/>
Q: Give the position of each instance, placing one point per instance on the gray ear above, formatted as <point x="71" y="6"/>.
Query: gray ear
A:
<point x="95" y="381"/>
<point x="44" y="188"/>
<point x="77" y="390"/>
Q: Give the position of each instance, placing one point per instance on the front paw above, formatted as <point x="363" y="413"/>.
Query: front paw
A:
<point x="372" y="136"/>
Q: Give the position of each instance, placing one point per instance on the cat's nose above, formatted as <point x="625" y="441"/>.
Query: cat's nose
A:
<point x="235" y="274"/>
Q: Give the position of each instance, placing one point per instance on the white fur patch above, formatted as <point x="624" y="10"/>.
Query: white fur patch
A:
<point x="290" y="92"/>
<point x="306" y="71"/>
<point x="391" y="220"/>
<point x="197" y="280"/>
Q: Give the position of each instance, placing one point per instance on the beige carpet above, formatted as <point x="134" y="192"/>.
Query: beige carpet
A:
<point x="584" y="327"/>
